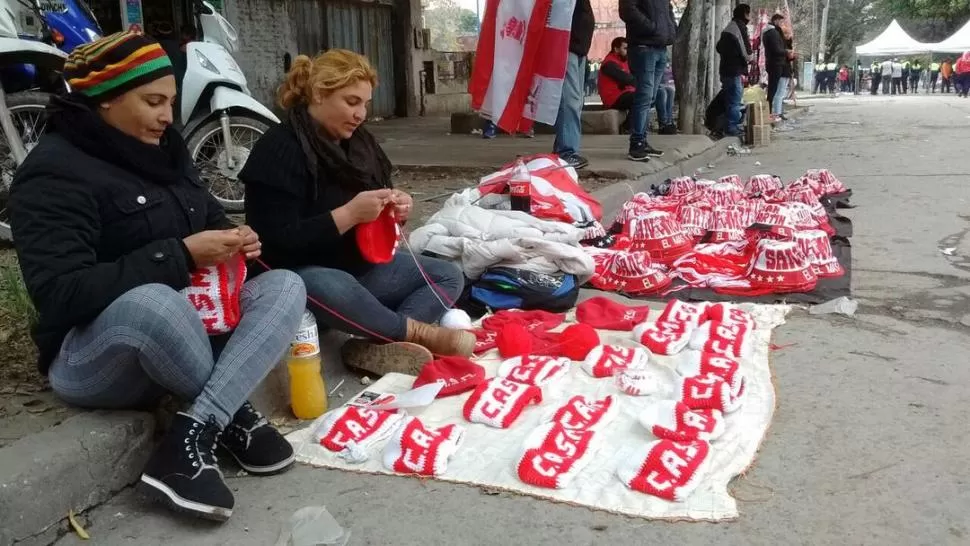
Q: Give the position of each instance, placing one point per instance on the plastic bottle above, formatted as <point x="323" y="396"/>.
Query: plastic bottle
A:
<point x="308" y="393"/>
<point x="520" y="187"/>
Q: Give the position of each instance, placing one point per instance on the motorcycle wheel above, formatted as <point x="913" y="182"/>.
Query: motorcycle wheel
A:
<point x="211" y="155"/>
<point x="28" y="113"/>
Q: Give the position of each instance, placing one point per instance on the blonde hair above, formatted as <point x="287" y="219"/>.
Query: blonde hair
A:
<point x="327" y="72"/>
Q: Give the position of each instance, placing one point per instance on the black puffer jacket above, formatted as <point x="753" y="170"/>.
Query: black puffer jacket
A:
<point x="88" y="228"/>
<point x="581" y="33"/>
<point x="648" y="22"/>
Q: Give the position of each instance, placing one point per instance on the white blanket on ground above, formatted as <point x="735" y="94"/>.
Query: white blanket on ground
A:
<point x="481" y="238"/>
<point x="488" y="456"/>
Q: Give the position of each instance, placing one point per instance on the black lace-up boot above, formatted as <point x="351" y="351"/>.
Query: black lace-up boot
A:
<point x="184" y="473"/>
<point x="258" y="447"/>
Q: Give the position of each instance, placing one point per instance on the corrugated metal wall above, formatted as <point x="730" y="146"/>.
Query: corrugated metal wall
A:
<point x="367" y="28"/>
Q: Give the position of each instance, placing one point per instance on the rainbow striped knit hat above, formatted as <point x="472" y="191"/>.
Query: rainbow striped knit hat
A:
<point x="115" y="64"/>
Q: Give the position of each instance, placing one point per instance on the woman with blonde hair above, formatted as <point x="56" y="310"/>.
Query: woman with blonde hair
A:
<point x="310" y="183"/>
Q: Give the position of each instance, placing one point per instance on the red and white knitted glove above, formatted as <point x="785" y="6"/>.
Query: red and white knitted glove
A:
<point x="692" y="363"/>
<point x="581" y="413"/>
<point x="498" y="402"/>
<point x="417" y="449"/>
<point x="669" y="470"/>
<point x="645" y="381"/>
<point x="553" y="455"/>
<point x="725" y="312"/>
<point x="607" y="360"/>
<point x="726" y="339"/>
<point x="672" y="420"/>
<point x="663" y="338"/>
<point x="485" y="340"/>
<point x="534" y="370"/>
<point x="349" y="426"/>
<point x="687" y="313"/>
<point x="706" y="392"/>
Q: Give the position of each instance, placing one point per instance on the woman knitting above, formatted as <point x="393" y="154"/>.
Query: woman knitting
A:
<point x="312" y="184"/>
<point x="111" y="223"/>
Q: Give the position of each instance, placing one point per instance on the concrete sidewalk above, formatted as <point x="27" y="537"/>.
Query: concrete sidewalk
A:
<point x="425" y="143"/>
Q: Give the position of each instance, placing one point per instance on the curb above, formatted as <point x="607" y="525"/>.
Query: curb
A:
<point x="75" y="465"/>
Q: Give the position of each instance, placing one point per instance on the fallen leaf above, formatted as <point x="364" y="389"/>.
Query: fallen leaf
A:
<point x="77" y="526"/>
<point x="32" y="402"/>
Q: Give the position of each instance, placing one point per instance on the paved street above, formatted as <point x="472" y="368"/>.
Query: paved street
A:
<point x="870" y="437"/>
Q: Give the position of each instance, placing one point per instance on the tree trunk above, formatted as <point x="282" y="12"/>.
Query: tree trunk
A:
<point x="691" y="54"/>
<point x="823" y="28"/>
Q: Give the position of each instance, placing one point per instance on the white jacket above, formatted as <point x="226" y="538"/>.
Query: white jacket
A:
<point x="480" y="238"/>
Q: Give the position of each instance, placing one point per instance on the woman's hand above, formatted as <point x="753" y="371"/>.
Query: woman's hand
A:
<point x="215" y="246"/>
<point x="366" y="206"/>
<point x="252" y="247"/>
<point x="402" y="205"/>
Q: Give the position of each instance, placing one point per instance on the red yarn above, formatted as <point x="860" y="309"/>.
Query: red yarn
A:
<point x="578" y="340"/>
<point x="514" y="340"/>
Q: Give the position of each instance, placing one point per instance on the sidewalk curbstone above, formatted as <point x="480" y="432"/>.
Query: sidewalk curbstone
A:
<point x="75" y="465"/>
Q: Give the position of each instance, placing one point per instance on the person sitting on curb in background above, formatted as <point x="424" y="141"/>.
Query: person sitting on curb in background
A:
<point x="311" y="181"/>
<point x="110" y="221"/>
<point x="735" y="50"/>
<point x="617" y="88"/>
<point x="650" y="28"/>
<point x="569" y="124"/>
<point x="778" y="58"/>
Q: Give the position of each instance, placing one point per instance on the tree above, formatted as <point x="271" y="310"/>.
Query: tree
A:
<point x="447" y="21"/>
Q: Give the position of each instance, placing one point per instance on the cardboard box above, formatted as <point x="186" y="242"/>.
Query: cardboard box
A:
<point x="758" y="113"/>
<point x="759" y="135"/>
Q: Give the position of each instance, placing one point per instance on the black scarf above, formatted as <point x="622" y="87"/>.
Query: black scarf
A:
<point x="76" y="121"/>
<point x="356" y="164"/>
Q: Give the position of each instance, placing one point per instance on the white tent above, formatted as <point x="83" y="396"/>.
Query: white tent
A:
<point x="893" y="41"/>
<point x="958" y="43"/>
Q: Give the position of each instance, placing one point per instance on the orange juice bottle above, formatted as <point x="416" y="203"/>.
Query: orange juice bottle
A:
<point x="308" y="394"/>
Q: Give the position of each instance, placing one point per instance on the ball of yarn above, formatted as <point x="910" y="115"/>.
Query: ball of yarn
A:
<point x="514" y="340"/>
<point x="456" y="319"/>
<point x="578" y="340"/>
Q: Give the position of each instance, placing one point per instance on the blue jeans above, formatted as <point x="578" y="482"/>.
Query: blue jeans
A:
<point x="647" y="66"/>
<point x="778" y="103"/>
<point x="151" y="341"/>
<point x="382" y="299"/>
<point x="569" y="125"/>
<point x="732" y="102"/>
<point x="665" y="104"/>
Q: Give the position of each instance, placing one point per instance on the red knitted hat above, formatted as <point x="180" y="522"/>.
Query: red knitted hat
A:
<point x="695" y="220"/>
<point x="707" y="392"/>
<point x="633" y="273"/>
<point x="577" y="340"/>
<point x="733" y="179"/>
<point x="457" y="373"/>
<point x="534" y="370"/>
<point x="581" y="413"/>
<point x="553" y="455"/>
<point x="727" y="339"/>
<point x="214" y="292"/>
<point x="514" y="339"/>
<point x="694" y="363"/>
<point x="602" y="312"/>
<point x="607" y="360"/>
<point x="660" y="235"/>
<point x="830" y="184"/>
<point x="815" y="245"/>
<point x="681" y="186"/>
<point x="780" y="266"/>
<point x="669" y="470"/>
<point x="417" y="449"/>
<point x="498" y="402"/>
<point x="362" y="426"/>
<point x="722" y="194"/>
<point x="727" y="224"/>
<point x="663" y="338"/>
<point x="672" y="420"/>
<point x="377" y="240"/>
<point x="763" y="183"/>
<point x="748" y="209"/>
<point x="532" y="320"/>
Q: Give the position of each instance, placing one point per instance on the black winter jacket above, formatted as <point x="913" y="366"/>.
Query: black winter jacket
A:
<point x="776" y="53"/>
<point x="581" y="33"/>
<point x="88" y="230"/>
<point x="648" y="22"/>
<point x="734" y="47"/>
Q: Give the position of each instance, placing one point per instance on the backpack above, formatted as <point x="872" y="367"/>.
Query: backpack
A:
<point x="512" y="288"/>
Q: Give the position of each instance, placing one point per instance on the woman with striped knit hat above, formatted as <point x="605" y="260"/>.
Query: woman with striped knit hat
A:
<point x="112" y="225"/>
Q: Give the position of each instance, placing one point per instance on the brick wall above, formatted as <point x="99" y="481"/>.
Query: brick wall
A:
<point x="265" y="35"/>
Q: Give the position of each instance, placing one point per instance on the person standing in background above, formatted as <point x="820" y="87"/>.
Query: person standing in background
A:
<point x="778" y="59"/>
<point x="875" y="74"/>
<point x="897" y="74"/>
<point x="844" y="79"/>
<point x="934" y="76"/>
<point x="946" y="71"/>
<point x="887" y="76"/>
<point x="735" y="50"/>
<point x="569" y="127"/>
<point x="963" y="75"/>
<point x="650" y="28"/>
<point x="905" y="76"/>
<point x="915" y="71"/>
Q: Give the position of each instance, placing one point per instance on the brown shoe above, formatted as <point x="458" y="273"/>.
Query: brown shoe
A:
<point x="383" y="358"/>
<point x="441" y="341"/>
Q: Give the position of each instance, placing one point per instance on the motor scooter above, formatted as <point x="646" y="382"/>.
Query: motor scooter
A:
<point x="22" y="113"/>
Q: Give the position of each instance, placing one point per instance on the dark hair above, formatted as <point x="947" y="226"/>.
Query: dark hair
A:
<point x="777" y="17"/>
<point x="743" y="10"/>
<point x="617" y="42"/>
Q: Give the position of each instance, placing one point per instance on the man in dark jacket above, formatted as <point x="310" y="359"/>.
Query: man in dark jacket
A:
<point x="650" y="28"/>
<point x="778" y="59"/>
<point x="568" y="123"/>
<point x="735" y="50"/>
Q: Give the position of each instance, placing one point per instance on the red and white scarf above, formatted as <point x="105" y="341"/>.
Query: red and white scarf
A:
<point x="512" y="84"/>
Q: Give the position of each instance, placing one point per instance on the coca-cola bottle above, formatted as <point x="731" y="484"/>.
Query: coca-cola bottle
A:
<point x="520" y="187"/>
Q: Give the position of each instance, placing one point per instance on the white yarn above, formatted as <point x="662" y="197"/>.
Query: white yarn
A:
<point x="456" y="319"/>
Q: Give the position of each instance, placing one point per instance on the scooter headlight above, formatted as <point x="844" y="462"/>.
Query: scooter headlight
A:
<point x="206" y="63"/>
<point x="92" y="35"/>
